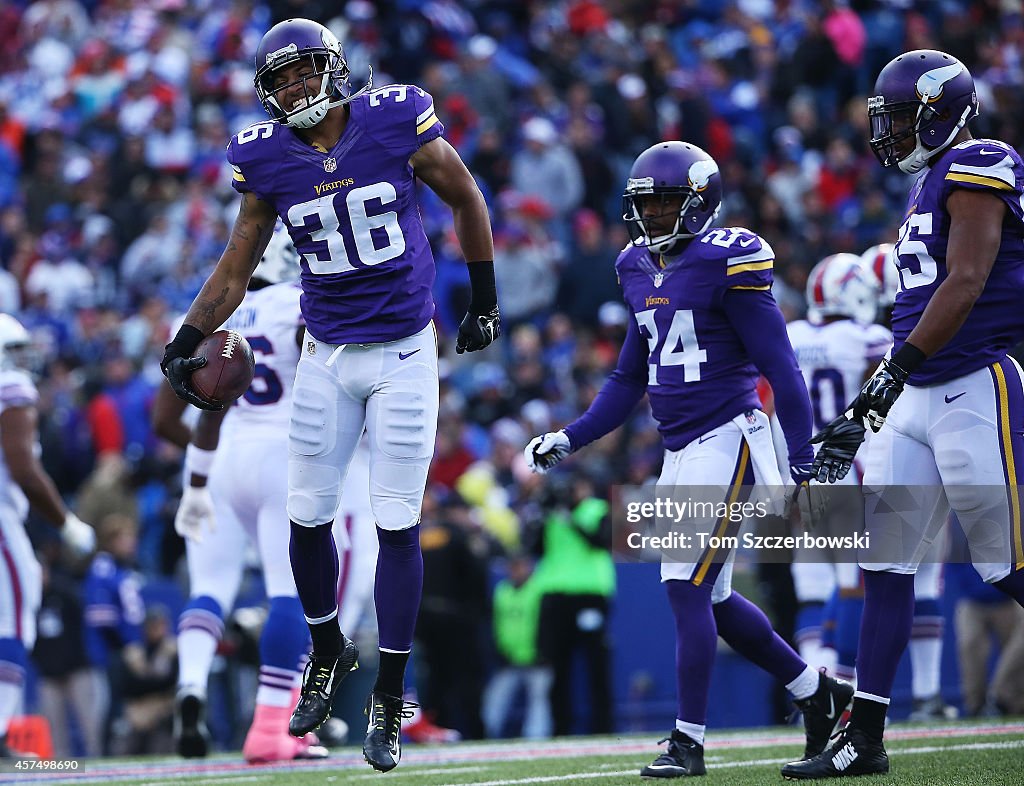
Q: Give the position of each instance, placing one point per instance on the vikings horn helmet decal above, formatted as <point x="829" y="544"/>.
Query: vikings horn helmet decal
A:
<point x="674" y="172"/>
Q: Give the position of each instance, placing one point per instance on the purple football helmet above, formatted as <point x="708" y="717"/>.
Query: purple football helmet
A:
<point x="288" y="42"/>
<point x="671" y="171"/>
<point x="924" y="96"/>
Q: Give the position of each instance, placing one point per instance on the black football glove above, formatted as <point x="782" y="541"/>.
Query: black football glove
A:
<point x="872" y="405"/>
<point x="178" y="371"/>
<point x="840" y="441"/>
<point x="477" y="331"/>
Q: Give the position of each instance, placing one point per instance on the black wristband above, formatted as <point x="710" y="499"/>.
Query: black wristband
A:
<point x="184" y="342"/>
<point x="484" y="297"/>
<point x="908" y="357"/>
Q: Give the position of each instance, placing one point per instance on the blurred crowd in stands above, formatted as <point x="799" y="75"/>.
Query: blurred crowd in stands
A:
<point x="115" y="202"/>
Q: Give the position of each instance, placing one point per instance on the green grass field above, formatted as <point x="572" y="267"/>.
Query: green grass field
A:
<point x="986" y="754"/>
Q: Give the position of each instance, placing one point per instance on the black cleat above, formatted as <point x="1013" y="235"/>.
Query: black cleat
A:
<point x="191" y="736"/>
<point x="382" y="747"/>
<point x="684" y="757"/>
<point x="852" y="753"/>
<point x="319" y="684"/>
<point x="823" y="711"/>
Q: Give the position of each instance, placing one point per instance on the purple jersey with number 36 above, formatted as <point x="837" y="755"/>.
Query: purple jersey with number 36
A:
<point x="996" y="322"/>
<point x="351" y="211"/>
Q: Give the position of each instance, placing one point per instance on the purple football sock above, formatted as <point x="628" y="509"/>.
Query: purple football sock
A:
<point x="747" y="630"/>
<point x="314" y="558"/>
<point x="1013" y="585"/>
<point x="884" y="630"/>
<point x="696" y="639"/>
<point x="398" y="586"/>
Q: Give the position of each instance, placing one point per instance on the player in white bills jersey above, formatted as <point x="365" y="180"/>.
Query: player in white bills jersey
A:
<point x="947" y="407"/>
<point x="837" y="348"/>
<point x="23" y="483"/>
<point x="341" y="168"/>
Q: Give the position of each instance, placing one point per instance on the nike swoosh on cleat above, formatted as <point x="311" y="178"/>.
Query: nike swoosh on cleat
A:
<point x="404" y="355"/>
<point x="702" y="440"/>
<point x="831" y="707"/>
<point x="951" y="399"/>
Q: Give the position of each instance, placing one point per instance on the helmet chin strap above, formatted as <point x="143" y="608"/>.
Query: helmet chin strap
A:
<point x="919" y="159"/>
<point x="311" y="115"/>
<point x="661" y="244"/>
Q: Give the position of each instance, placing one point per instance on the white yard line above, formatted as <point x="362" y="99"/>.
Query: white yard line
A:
<point x="169" y="772"/>
<point x="414" y="771"/>
<point x="749" y="763"/>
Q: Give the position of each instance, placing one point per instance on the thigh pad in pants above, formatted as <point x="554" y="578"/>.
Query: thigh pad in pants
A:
<point x="314" y="478"/>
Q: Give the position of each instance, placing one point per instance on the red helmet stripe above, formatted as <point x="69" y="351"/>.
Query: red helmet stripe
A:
<point x="819" y="290"/>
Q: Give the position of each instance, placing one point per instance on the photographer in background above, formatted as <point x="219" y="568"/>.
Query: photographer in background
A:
<point x="576" y="577"/>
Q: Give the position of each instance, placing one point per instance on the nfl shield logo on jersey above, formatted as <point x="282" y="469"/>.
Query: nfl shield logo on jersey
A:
<point x="330" y="164"/>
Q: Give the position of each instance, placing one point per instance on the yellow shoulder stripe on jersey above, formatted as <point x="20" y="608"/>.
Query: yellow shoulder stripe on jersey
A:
<point x="980" y="180"/>
<point x="425" y="113"/>
<point x="734" y="269"/>
<point x="236" y="173"/>
<point x="759" y="289"/>
<point x="431" y="119"/>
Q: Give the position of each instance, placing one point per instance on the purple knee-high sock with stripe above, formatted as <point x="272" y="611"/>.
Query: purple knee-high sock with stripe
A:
<point x="884" y="634"/>
<point x="398" y="586"/>
<point x="314" y="558"/>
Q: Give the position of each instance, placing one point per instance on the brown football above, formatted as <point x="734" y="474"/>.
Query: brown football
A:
<point x="228" y="370"/>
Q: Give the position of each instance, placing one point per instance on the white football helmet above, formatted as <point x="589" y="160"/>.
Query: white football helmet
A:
<point x="15" y="343"/>
<point x="842" y="286"/>
<point x="881" y="261"/>
<point x="280" y="261"/>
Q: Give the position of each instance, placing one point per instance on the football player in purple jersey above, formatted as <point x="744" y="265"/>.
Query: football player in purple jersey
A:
<point x="703" y="325"/>
<point x="953" y="399"/>
<point x="340" y="168"/>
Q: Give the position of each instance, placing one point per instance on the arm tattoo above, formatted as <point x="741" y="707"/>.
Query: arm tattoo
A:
<point x="203" y="313"/>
